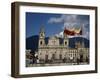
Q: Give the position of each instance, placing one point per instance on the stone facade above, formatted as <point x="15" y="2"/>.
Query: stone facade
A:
<point x="55" y="51"/>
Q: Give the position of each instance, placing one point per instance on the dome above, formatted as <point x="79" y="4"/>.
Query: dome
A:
<point x="53" y="37"/>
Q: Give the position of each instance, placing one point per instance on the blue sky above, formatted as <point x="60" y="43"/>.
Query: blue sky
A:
<point x="55" y="23"/>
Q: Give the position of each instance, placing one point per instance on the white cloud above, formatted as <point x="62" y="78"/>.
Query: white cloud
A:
<point x="55" y="20"/>
<point x="60" y="34"/>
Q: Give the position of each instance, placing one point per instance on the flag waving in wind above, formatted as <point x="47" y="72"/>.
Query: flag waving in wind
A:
<point x="74" y="31"/>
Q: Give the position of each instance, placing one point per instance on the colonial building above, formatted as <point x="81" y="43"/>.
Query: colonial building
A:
<point x="55" y="50"/>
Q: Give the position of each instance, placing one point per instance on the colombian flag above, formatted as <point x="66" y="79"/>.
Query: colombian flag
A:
<point x="72" y="32"/>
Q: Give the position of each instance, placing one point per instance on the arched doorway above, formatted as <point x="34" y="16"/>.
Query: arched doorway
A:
<point x="46" y="57"/>
<point x="60" y="56"/>
<point x="53" y="56"/>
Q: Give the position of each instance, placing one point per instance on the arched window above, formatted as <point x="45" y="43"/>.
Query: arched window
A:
<point x="41" y="35"/>
<point x="40" y="42"/>
<point x="65" y="43"/>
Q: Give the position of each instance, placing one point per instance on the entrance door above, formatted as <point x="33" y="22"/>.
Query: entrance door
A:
<point x="46" y="57"/>
<point x="53" y="56"/>
<point x="60" y="56"/>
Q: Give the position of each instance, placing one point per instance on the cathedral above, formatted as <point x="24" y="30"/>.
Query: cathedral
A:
<point x="57" y="51"/>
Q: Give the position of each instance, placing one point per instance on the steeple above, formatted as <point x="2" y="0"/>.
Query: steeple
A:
<point x="66" y="40"/>
<point x="64" y="33"/>
<point x="41" y="36"/>
<point x="42" y="32"/>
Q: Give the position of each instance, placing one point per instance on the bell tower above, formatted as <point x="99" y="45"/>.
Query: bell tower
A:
<point x="66" y="40"/>
<point x="41" y="36"/>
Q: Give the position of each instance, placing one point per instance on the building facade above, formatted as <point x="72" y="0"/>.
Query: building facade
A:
<point x="56" y="51"/>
